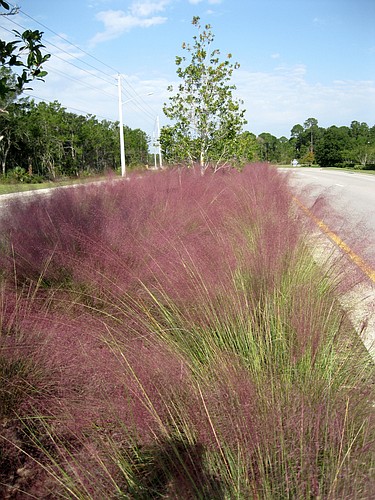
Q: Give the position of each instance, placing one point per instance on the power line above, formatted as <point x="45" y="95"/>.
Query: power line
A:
<point x="80" y="111"/>
<point x="83" y="62"/>
<point x="84" y="52"/>
<point x="148" y="116"/>
<point x="6" y="29"/>
<point x="82" y="69"/>
<point x="150" y="112"/>
<point x="142" y="105"/>
<point x="69" y="54"/>
<point x="139" y="106"/>
<point x="69" y="42"/>
<point x="136" y="94"/>
<point x="53" y="70"/>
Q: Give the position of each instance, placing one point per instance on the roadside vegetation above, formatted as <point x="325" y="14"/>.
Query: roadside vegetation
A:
<point x="171" y="337"/>
<point x="19" y="187"/>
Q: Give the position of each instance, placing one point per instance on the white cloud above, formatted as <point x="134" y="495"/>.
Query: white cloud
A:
<point x="211" y="2"/>
<point x="147" y="8"/>
<point x="319" y="22"/>
<point x="278" y="100"/>
<point x="139" y="15"/>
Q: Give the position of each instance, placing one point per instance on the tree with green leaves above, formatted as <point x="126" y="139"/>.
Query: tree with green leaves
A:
<point x="248" y="147"/>
<point x="333" y="146"/>
<point x="44" y="140"/>
<point x="267" y="146"/>
<point x="311" y="125"/>
<point x="362" y="144"/>
<point x="208" y="120"/>
<point x="23" y="54"/>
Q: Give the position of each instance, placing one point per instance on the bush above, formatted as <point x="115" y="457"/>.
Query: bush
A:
<point x="19" y="175"/>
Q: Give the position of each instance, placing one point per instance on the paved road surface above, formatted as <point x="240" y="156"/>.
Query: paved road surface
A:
<point x="348" y="192"/>
<point x="352" y="196"/>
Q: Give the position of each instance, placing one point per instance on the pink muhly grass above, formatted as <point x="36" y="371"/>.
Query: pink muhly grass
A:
<point x="183" y="329"/>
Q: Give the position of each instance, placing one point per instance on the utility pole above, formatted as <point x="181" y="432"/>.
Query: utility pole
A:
<point x="121" y="127"/>
<point x="159" y="147"/>
<point x="154" y="147"/>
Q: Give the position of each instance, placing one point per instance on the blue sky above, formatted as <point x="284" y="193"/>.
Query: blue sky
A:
<point x="298" y="58"/>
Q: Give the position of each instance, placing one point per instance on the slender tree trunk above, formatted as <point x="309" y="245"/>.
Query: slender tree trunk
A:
<point x="30" y="166"/>
<point x="5" y="154"/>
<point x="201" y="162"/>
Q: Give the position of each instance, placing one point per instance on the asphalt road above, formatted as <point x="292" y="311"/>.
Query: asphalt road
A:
<point x="352" y="199"/>
<point x="350" y="214"/>
<point x="348" y="192"/>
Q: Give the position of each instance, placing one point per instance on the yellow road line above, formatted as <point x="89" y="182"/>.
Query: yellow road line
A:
<point x="339" y="242"/>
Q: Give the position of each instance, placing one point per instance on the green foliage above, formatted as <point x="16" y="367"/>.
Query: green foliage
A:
<point x="45" y="140"/>
<point x="248" y="147"/>
<point x="310" y="144"/>
<point x="208" y="120"/>
<point x="136" y="147"/>
<point x="267" y="146"/>
<point x="335" y="146"/>
<point x="331" y="147"/>
<point x="25" y="53"/>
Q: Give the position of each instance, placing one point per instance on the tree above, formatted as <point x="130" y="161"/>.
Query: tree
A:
<point x="284" y="151"/>
<point x="296" y="139"/>
<point x="208" y="118"/>
<point x="170" y="148"/>
<point x="25" y="53"/>
<point x="10" y="133"/>
<point x="267" y="146"/>
<point x="311" y="125"/>
<point x="46" y="141"/>
<point x="248" y="147"/>
<point x="296" y="131"/>
<point x="136" y="146"/>
<point x="331" y="149"/>
<point x="362" y="147"/>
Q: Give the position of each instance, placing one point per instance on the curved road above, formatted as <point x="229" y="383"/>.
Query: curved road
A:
<point x="350" y="193"/>
<point x="351" y="216"/>
<point x="351" y="197"/>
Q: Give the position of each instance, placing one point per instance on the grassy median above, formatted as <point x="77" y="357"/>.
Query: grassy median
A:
<point x="171" y="337"/>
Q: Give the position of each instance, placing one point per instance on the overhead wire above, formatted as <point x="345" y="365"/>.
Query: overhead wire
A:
<point x="134" y="103"/>
<point x="80" y="82"/>
<point x="69" y="42"/>
<point x="136" y="94"/>
<point x="83" y="51"/>
<point x="69" y="107"/>
<point x="135" y="99"/>
<point x="69" y="54"/>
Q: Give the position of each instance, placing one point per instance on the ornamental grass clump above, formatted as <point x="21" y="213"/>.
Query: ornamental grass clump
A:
<point x="181" y="343"/>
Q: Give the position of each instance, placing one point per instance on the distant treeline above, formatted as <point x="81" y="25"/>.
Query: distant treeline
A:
<point x="45" y="141"/>
<point x="352" y="146"/>
<point x="40" y="141"/>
